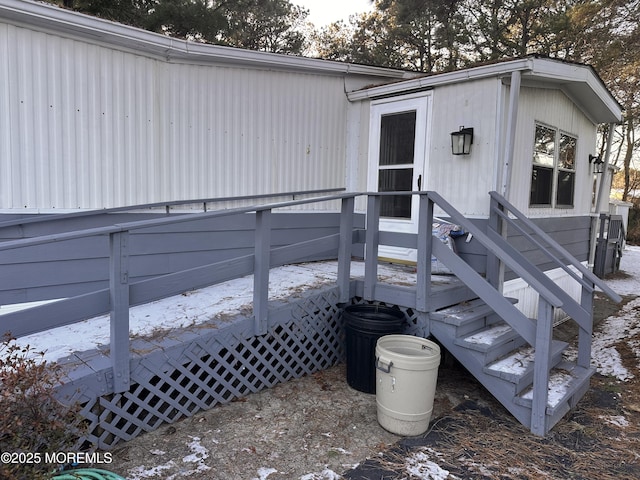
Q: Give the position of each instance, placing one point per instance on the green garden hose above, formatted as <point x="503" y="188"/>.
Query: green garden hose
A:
<point x="87" y="474"/>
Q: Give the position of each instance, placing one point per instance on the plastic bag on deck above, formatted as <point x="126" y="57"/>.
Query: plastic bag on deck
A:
<point x="445" y="232"/>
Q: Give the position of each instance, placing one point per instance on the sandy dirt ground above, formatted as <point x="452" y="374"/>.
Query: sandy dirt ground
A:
<point x="318" y="427"/>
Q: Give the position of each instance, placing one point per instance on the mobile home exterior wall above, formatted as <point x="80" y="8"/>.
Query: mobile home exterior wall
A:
<point x="91" y="120"/>
<point x="552" y="108"/>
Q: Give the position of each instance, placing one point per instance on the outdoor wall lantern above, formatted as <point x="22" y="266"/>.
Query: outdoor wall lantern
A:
<point x="461" y="141"/>
<point x="598" y="163"/>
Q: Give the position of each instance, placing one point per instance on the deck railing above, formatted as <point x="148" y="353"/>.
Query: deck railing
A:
<point x="206" y="203"/>
<point x="580" y="312"/>
<point x="122" y="293"/>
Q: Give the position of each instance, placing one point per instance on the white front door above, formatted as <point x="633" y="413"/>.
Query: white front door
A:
<point x="397" y="162"/>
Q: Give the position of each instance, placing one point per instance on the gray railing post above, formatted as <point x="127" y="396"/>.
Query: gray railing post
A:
<point x="345" y="248"/>
<point x="262" y="259"/>
<point x="372" y="239"/>
<point x="585" y="331"/>
<point x="495" y="269"/>
<point x="119" y="314"/>
<point x="541" y="367"/>
<point x="425" y="239"/>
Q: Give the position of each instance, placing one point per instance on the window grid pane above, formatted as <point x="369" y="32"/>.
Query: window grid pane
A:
<point x="541" y="186"/>
<point x="545" y="146"/>
<point x="564" y="194"/>
<point x="567" y="153"/>
<point x="395" y="180"/>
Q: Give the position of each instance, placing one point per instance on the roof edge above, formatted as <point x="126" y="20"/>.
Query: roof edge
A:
<point x="105" y="32"/>
<point x="567" y="76"/>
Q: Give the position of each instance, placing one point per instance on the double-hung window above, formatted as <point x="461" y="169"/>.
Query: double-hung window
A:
<point x="554" y="168"/>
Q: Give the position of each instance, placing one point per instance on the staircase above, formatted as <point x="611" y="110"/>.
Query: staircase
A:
<point x="516" y="358"/>
<point x="504" y="363"/>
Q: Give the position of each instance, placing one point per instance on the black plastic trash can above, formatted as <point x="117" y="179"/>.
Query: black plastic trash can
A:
<point x="364" y="325"/>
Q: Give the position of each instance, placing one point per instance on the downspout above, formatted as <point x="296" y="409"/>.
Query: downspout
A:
<point x="510" y="137"/>
<point x="604" y="181"/>
<point x="507" y="158"/>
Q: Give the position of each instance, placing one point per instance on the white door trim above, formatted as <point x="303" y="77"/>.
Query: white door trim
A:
<point x="421" y="104"/>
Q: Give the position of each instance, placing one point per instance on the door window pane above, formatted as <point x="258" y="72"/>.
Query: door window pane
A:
<point x="395" y="180"/>
<point x="397" y="138"/>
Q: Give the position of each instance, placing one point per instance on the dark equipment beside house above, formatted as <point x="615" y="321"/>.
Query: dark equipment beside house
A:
<point x="611" y="239"/>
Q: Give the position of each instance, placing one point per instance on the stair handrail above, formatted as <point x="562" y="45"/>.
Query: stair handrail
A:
<point x="521" y="270"/>
<point x="553" y="244"/>
<point x="539" y="333"/>
<point x="505" y="216"/>
<point x="542" y="338"/>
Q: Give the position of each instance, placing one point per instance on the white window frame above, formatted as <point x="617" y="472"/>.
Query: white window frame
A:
<point x="556" y="169"/>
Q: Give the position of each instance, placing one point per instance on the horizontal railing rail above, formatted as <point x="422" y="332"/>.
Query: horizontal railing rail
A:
<point x="154" y="222"/>
<point x="122" y="294"/>
<point x="163" y="205"/>
<point x="554" y="251"/>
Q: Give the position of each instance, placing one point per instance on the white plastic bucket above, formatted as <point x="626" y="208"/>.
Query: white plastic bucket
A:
<point x="406" y="376"/>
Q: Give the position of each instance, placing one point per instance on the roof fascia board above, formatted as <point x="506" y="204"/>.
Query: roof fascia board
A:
<point x="427" y="82"/>
<point x="538" y="72"/>
<point x="575" y="74"/>
<point x="595" y="109"/>
<point x="80" y="26"/>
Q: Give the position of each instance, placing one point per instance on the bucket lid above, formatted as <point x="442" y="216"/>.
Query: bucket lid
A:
<point x="409" y="352"/>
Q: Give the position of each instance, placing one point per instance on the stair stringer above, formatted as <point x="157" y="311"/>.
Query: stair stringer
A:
<point x="474" y="362"/>
<point x="471" y="333"/>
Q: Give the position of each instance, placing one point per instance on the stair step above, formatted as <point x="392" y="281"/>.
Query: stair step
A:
<point x="517" y="367"/>
<point x="467" y="317"/>
<point x="567" y="383"/>
<point x="464" y="312"/>
<point x="494" y="341"/>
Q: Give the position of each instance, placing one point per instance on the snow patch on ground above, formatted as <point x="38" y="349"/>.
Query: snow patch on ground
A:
<point x="326" y="474"/>
<point x="198" y="456"/>
<point x="630" y="265"/>
<point x="420" y="465"/>
<point x="614" y="330"/>
<point x="263" y="473"/>
<point x="617" y="420"/>
<point x="623" y="325"/>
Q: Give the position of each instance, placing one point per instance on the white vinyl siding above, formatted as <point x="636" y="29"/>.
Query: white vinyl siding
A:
<point x="552" y="108"/>
<point x="88" y="126"/>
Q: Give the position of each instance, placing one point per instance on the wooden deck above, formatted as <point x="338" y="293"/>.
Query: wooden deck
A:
<point x="134" y="383"/>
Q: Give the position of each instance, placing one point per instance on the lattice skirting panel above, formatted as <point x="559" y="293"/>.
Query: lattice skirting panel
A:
<point x="216" y="366"/>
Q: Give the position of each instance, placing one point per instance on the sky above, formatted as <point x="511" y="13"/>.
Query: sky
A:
<point x="324" y="12"/>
